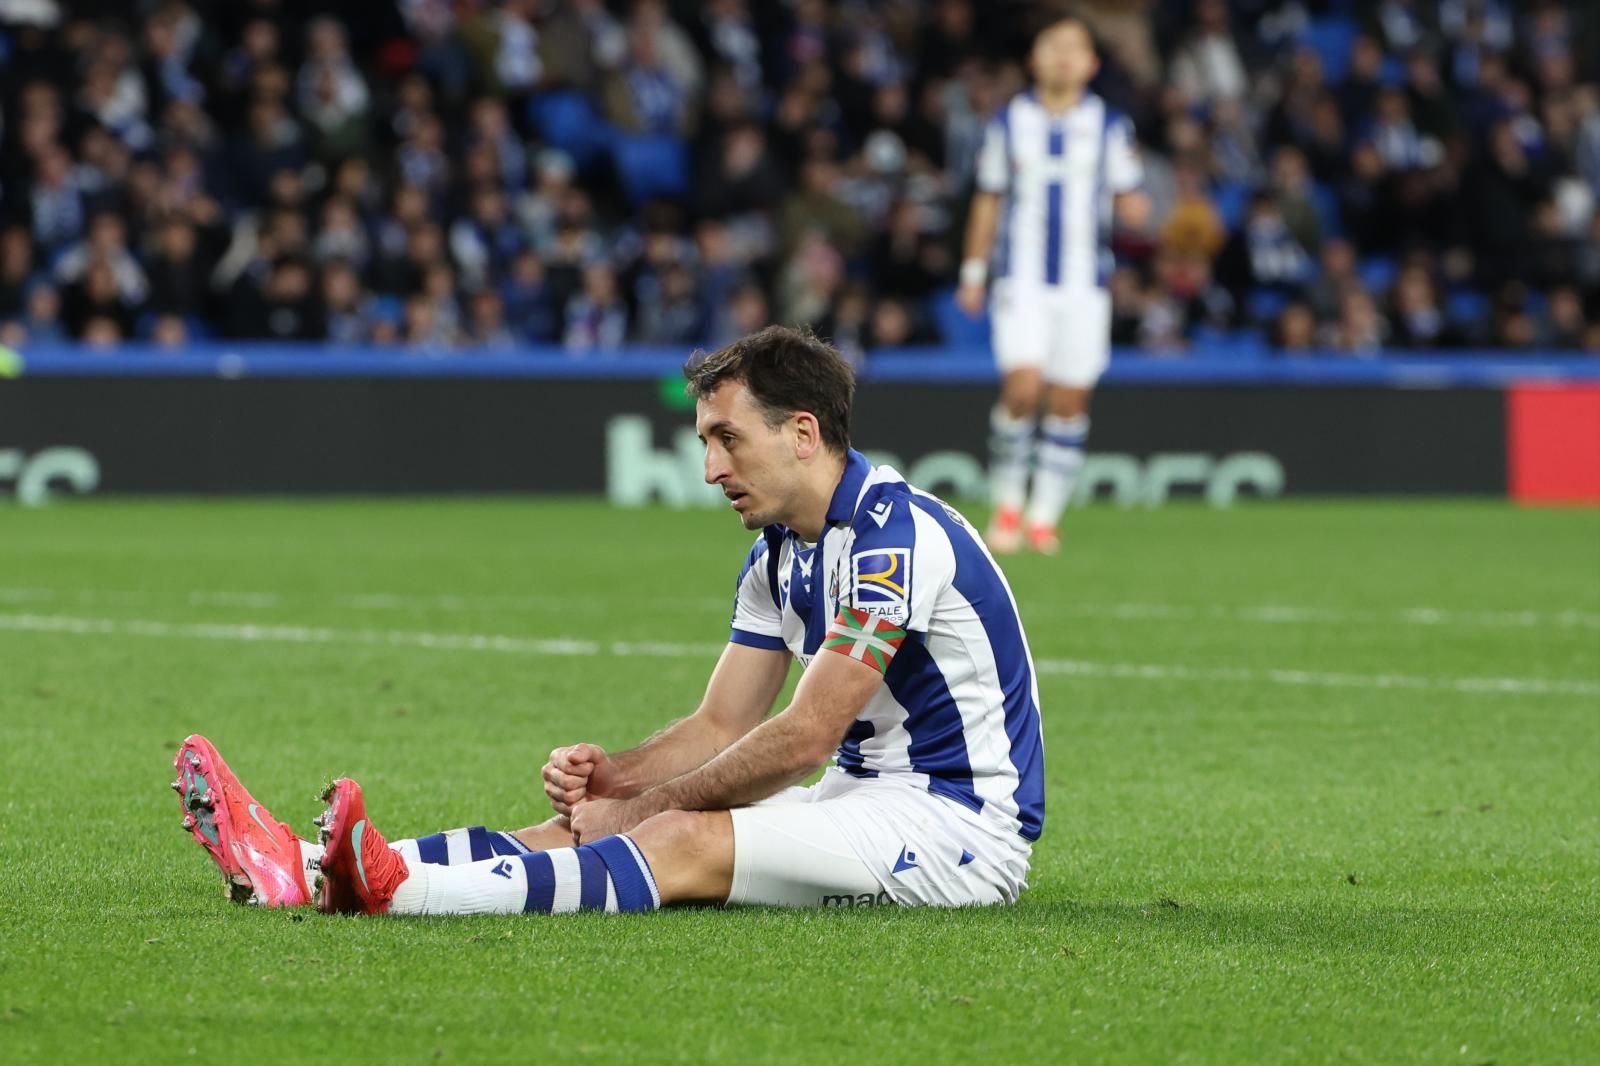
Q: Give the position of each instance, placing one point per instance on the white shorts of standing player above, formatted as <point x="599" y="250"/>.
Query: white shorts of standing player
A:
<point x="1063" y="333"/>
<point x="861" y="842"/>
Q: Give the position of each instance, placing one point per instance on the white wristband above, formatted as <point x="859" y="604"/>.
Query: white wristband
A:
<point x="974" y="272"/>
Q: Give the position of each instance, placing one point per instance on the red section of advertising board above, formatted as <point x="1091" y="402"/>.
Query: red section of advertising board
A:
<point x="1553" y="443"/>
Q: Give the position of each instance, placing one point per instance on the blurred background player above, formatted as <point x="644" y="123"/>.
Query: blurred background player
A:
<point x="1057" y="165"/>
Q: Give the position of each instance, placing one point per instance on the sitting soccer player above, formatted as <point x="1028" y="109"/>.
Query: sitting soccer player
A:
<point x="917" y="682"/>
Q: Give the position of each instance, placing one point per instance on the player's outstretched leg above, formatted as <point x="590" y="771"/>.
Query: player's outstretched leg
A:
<point x="362" y="875"/>
<point x="261" y="859"/>
<point x="456" y="846"/>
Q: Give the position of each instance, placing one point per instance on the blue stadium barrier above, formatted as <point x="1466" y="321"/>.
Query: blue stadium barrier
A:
<point x="1242" y="362"/>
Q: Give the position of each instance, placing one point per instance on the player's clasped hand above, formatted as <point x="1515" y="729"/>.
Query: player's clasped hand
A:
<point x="573" y="774"/>
<point x="595" y="818"/>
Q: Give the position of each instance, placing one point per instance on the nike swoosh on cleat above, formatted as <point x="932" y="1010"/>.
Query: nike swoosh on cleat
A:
<point x="355" y="844"/>
<point x="258" y="820"/>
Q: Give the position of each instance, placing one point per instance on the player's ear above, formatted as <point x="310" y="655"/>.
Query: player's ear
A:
<point x="807" y="434"/>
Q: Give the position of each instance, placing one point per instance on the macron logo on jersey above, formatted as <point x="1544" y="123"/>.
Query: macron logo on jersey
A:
<point x="880" y="513"/>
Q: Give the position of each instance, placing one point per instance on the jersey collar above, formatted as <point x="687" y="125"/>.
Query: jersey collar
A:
<point x="842" y="508"/>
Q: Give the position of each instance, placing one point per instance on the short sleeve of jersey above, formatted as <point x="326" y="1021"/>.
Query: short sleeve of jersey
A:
<point x="899" y="563"/>
<point x="757" y="622"/>
<point x="1124" y="171"/>
<point x="994" y="162"/>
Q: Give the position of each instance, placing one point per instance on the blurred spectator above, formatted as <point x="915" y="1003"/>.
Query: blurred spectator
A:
<point x="1207" y="66"/>
<point x="669" y="310"/>
<point x="344" y="314"/>
<point x="37" y="321"/>
<point x="596" y="317"/>
<point x="817" y="208"/>
<point x="527" y="301"/>
<point x="1338" y="273"/>
<point x="179" y="278"/>
<point x="1292" y="190"/>
<point x="740" y="177"/>
<point x="1418" y="319"/>
<point x="169" y="331"/>
<point x="486" y="322"/>
<point x="95" y="296"/>
<point x="906" y="262"/>
<point x="16" y="269"/>
<point x="1359" y="329"/>
<point x="745" y="312"/>
<point x="1193" y="226"/>
<point x="1296" y="329"/>
<point x="1564" y="325"/>
<point x="1265" y="253"/>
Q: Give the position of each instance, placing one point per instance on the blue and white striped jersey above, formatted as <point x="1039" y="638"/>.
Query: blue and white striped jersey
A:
<point x="958" y="711"/>
<point x="1058" y="173"/>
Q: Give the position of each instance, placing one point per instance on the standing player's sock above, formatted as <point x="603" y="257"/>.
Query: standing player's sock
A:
<point x="1060" y="459"/>
<point x="1010" y="449"/>
<point x="610" y="875"/>
<point x="456" y="846"/>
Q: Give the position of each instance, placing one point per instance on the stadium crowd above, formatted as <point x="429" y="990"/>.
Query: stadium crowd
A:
<point x="1357" y="176"/>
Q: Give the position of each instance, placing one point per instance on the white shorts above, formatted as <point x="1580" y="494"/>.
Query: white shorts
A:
<point x="1063" y="333"/>
<point x="854" y="842"/>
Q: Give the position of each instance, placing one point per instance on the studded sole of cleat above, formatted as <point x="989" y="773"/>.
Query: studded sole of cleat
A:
<point x="202" y="817"/>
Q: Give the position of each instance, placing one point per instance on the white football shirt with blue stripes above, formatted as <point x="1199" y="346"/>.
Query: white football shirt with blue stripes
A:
<point x="1058" y="174"/>
<point x="958" y="711"/>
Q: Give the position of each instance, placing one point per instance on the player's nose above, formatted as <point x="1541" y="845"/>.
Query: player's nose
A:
<point x="716" y="471"/>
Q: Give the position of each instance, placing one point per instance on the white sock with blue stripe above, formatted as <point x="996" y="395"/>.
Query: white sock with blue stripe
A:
<point x="1010" y="450"/>
<point x="456" y="846"/>
<point x="1060" y="460"/>
<point x="609" y="875"/>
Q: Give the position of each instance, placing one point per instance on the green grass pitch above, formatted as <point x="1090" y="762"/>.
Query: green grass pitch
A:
<point x="1323" y="785"/>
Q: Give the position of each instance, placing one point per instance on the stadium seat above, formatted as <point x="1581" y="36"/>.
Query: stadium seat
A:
<point x="1231" y="198"/>
<point x="956" y="329"/>
<point x="1331" y="37"/>
<point x="650" y="166"/>
<point x="1326" y="203"/>
<point x="567" y="120"/>
<point x="1264" y="305"/>
<point x="1466" y="306"/>
<point x="1377" y="273"/>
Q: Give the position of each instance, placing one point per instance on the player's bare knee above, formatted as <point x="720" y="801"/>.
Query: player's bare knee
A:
<point x="1021" y="399"/>
<point x="689" y="834"/>
<point x="690" y="852"/>
<point x="1068" y="401"/>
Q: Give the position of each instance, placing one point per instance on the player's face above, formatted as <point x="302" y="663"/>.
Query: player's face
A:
<point x="1063" y="58"/>
<point x="754" y="464"/>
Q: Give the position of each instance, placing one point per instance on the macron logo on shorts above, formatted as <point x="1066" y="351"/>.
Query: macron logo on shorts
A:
<point x="906" y="861"/>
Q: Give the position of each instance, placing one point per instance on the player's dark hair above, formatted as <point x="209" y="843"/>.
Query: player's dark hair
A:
<point x="1054" y="15"/>
<point x="786" y="370"/>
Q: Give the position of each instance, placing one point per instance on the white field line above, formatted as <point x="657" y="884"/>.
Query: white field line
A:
<point x="1266" y="614"/>
<point x="1284" y="614"/>
<point x="296" y="634"/>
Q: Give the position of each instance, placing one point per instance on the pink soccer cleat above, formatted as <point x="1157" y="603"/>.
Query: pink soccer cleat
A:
<point x="1004" y="535"/>
<point x="1043" y="539"/>
<point x="258" y="855"/>
<point x="359" y="870"/>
